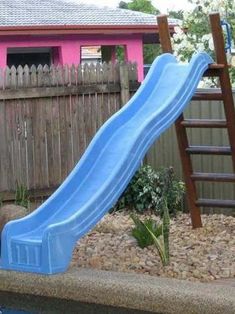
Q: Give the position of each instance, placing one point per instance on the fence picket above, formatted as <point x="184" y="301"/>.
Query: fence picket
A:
<point x="20" y="73"/>
<point x="26" y="76"/>
<point x="13" y="78"/>
<point x="33" y="76"/>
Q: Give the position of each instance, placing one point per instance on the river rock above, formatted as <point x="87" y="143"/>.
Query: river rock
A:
<point x="203" y="254"/>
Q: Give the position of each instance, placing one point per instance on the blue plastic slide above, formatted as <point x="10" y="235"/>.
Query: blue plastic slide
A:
<point x="43" y="241"/>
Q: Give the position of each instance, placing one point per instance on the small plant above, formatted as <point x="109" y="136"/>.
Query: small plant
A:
<point x="141" y="231"/>
<point x="146" y="189"/>
<point x="162" y="242"/>
<point x="148" y="233"/>
<point x="22" y="196"/>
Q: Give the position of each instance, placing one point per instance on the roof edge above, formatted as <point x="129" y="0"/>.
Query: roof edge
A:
<point x="78" y="29"/>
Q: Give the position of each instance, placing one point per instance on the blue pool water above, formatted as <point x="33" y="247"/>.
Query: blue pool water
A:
<point x="11" y="303"/>
<point x="8" y="311"/>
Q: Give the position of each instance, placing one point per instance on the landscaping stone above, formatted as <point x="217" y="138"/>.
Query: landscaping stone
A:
<point x="203" y="254"/>
<point x="11" y="212"/>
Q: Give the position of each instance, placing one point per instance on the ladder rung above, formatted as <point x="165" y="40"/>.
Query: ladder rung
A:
<point x="215" y="203"/>
<point x="214" y="70"/>
<point x="216" y="177"/>
<point x="216" y="66"/>
<point x="209" y="150"/>
<point x="204" y="123"/>
<point x="216" y="95"/>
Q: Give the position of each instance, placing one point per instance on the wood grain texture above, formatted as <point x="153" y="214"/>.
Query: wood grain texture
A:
<point x="49" y="115"/>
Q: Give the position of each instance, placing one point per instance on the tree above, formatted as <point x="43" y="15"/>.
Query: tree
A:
<point x="123" y="5"/>
<point x="198" y="37"/>
<point x="176" y="14"/>
<point x="145" y="6"/>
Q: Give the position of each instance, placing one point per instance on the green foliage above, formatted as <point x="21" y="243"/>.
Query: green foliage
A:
<point x="198" y="36"/>
<point x="151" y="51"/>
<point x="120" y="53"/>
<point x="144" y="6"/>
<point x="141" y="233"/>
<point x="192" y="22"/>
<point x="148" y="233"/>
<point x="123" y="5"/>
<point x="22" y="196"/>
<point x="172" y="191"/>
<point x="197" y="20"/>
<point x="176" y="14"/>
<point x="166" y="233"/>
<point x="146" y="191"/>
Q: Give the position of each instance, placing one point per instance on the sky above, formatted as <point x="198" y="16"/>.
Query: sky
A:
<point x="162" y="5"/>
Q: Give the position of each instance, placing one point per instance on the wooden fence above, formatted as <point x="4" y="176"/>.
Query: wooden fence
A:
<point x="48" y="116"/>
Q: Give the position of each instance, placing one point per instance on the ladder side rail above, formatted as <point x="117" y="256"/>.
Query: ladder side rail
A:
<point x="225" y="83"/>
<point x="165" y="40"/>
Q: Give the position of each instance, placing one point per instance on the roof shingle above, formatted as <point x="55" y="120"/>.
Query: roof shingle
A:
<point x="61" y="12"/>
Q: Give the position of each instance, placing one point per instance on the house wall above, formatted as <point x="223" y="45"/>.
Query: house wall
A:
<point x="69" y="47"/>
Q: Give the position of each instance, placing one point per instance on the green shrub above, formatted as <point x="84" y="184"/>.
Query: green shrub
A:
<point x="149" y="189"/>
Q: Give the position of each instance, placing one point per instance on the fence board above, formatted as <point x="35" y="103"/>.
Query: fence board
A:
<point x="55" y="121"/>
<point x="45" y="92"/>
<point x="3" y="149"/>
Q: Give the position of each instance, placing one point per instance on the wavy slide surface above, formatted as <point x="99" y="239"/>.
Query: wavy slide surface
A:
<point x="44" y="240"/>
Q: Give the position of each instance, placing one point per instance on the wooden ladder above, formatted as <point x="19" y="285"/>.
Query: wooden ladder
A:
<point x="220" y="70"/>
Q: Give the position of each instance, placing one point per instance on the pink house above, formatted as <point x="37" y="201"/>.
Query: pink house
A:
<point x="54" y="31"/>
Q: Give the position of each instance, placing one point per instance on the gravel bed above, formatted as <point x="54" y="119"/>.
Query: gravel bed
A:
<point x="202" y="254"/>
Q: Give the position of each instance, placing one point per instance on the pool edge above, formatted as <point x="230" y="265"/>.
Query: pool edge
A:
<point x="133" y="291"/>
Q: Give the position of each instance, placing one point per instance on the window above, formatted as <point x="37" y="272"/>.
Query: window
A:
<point x="29" y="56"/>
<point x="90" y="54"/>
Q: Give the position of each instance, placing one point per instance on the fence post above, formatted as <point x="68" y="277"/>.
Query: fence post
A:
<point x="124" y="83"/>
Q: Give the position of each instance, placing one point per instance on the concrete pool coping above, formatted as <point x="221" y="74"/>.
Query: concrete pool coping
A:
<point x="133" y="291"/>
